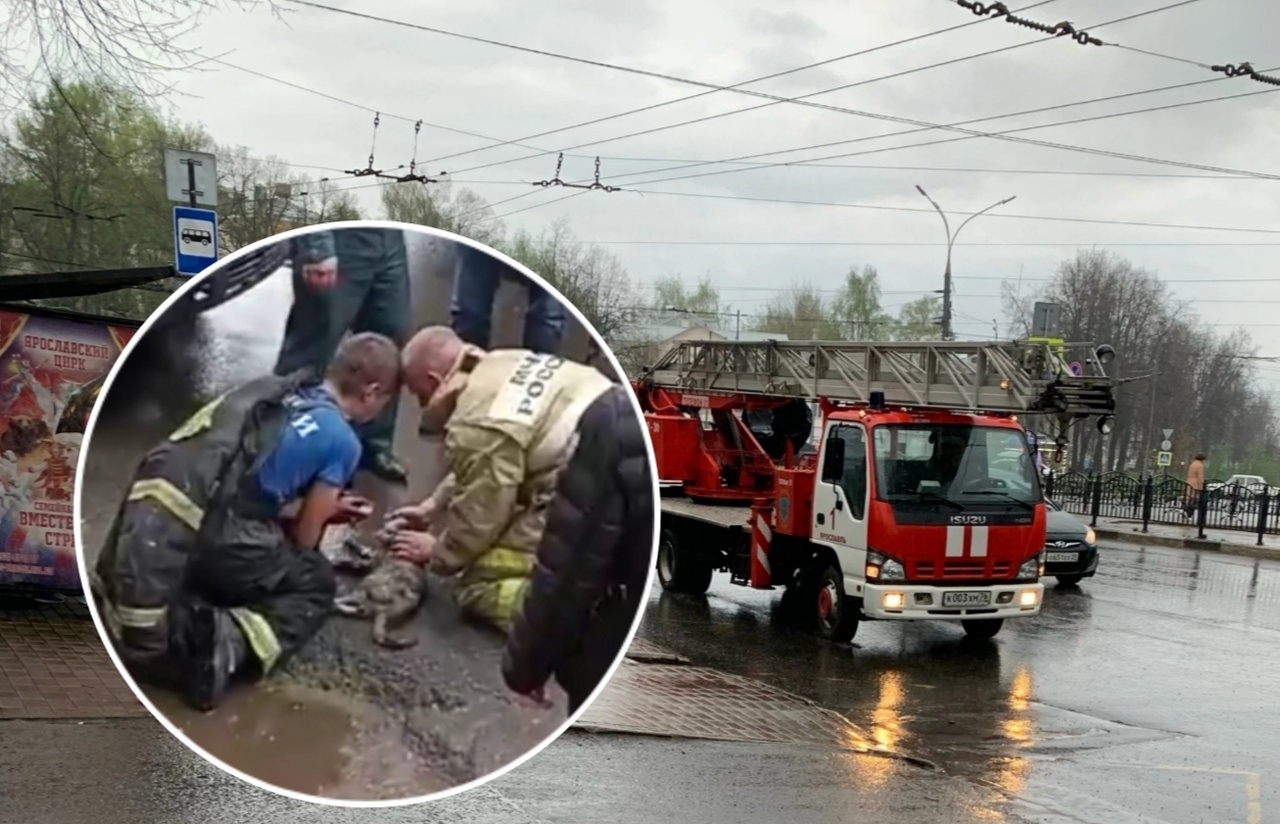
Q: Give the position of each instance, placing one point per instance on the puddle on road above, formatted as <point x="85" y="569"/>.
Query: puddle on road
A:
<point x="309" y="741"/>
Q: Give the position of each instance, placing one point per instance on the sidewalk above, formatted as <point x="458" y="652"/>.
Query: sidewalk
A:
<point x="1228" y="541"/>
<point x="53" y="665"/>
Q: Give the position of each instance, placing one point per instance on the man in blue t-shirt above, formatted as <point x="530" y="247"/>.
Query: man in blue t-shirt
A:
<point x="212" y="568"/>
<point x="318" y="446"/>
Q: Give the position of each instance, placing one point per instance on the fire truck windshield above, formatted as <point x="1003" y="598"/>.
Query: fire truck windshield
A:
<point x="965" y="465"/>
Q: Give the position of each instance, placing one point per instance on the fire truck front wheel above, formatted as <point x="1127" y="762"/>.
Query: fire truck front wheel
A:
<point x="835" y="614"/>
<point x="680" y="567"/>
<point x="982" y="629"/>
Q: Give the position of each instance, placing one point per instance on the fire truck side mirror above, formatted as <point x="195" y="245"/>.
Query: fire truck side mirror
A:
<point x="833" y="460"/>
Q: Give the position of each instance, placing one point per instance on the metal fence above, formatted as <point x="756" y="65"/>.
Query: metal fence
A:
<point x="1165" y="500"/>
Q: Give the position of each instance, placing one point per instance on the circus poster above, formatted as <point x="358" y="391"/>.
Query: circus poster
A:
<point x="51" y="372"/>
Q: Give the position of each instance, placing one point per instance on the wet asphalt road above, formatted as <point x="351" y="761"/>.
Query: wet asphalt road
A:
<point x="1147" y="696"/>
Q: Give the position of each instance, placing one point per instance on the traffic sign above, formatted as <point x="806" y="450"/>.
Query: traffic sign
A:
<point x="191" y="177"/>
<point x="1166" y="445"/>
<point x="1168" y="433"/>
<point x="1076" y="368"/>
<point x="195" y="239"/>
<point x="1164" y="458"/>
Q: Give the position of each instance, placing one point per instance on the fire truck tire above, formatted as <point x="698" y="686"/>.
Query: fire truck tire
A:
<point x="835" y="614"/>
<point x="681" y="569"/>
<point x="982" y="629"/>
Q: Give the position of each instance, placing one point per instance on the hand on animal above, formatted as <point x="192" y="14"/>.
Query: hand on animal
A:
<point x="354" y="508"/>
<point x="416" y="518"/>
<point x="417" y="547"/>
<point x="322" y="275"/>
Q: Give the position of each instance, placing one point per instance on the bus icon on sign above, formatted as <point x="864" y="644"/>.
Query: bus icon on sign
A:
<point x="201" y="236"/>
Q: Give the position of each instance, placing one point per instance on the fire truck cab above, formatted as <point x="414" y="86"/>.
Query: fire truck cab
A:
<point x="925" y="517"/>
<point x="906" y="511"/>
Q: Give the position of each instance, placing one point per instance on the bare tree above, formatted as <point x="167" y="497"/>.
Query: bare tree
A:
<point x="262" y="197"/>
<point x="125" y="45"/>
<point x="437" y="205"/>
<point x="801" y="313"/>
<point x="589" y="276"/>
<point x="1176" y="373"/>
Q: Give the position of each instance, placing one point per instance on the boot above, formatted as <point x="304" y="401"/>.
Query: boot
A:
<point x="384" y="464"/>
<point x="216" y="651"/>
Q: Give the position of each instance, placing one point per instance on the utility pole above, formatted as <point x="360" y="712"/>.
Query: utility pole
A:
<point x="947" y="333"/>
<point x="737" y="330"/>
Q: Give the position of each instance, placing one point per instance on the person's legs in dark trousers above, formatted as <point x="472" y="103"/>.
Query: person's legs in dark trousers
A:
<point x="387" y="311"/>
<point x="368" y="297"/>
<point x="543" y="322"/>
<point x="475" y="284"/>
<point x="317" y="321"/>
<point x="266" y="599"/>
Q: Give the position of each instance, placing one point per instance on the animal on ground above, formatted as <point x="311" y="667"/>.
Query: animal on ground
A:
<point x="390" y="595"/>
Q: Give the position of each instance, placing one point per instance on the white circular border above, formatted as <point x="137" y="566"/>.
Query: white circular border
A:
<point x="84" y="571"/>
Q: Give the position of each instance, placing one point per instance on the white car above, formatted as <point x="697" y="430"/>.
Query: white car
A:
<point x="1251" y="484"/>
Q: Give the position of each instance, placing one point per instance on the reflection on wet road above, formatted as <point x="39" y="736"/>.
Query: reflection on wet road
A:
<point x="1149" y="693"/>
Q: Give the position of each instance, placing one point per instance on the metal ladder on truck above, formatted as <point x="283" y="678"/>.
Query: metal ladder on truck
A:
<point x="1015" y="377"/>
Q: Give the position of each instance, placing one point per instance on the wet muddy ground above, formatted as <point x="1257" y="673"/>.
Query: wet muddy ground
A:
<point x="346" y="719"/>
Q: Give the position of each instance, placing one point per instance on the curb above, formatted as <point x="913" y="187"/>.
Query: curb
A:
<point x="1135" y="537"/>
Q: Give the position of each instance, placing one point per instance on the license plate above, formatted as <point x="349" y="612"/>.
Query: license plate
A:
<point x="1061" y="557"/>
<point x="966" y="599"/>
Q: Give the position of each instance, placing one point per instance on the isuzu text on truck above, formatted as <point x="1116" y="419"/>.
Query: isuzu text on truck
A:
<point x="921" y="501"/>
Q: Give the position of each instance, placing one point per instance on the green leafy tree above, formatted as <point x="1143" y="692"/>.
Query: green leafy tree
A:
<point x="84" y="188"/>
<point x="857" y="306"/>
<point x="801" y="314"/>
<point x="918" y="320"/>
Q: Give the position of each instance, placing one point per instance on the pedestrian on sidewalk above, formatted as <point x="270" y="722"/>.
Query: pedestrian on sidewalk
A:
<point x="1195" y="484"/>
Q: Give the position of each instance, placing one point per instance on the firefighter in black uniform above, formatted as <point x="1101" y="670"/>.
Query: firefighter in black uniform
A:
<point x="211" y="570"/>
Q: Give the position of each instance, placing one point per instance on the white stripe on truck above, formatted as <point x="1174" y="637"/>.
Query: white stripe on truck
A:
<point x="978" y="541"/>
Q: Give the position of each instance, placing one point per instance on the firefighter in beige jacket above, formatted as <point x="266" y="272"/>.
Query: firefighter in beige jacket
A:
<point x="508" y="418"/>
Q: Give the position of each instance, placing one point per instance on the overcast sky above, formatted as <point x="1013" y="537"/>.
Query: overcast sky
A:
<point x="506" y="95"/>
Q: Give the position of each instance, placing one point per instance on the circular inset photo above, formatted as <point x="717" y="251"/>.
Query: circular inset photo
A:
<point x="366" y="513"/>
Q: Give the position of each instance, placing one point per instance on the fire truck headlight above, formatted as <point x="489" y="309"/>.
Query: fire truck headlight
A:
<point x="1028" y="598"/>
<point x="894" y="600"/>
<point x="1031" y="569"/>
<point x="881" y="567"/>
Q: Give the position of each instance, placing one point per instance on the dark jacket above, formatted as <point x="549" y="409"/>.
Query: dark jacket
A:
<point x="593" y="560"/>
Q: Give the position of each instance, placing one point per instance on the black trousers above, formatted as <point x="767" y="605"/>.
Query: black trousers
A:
<point x="587" y="662"/>
<point x="254" y="565"/>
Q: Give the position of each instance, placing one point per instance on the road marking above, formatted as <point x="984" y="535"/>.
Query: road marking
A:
<point x="1252" y="784"/>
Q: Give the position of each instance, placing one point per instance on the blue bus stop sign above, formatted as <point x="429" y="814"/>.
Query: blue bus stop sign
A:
<point x="195" y="239"/>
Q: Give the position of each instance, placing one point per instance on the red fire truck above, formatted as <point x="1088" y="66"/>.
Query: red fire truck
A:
<point x="919" y="498"/>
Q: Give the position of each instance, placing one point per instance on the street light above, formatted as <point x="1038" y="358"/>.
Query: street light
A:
<point x="951" y="239"/>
